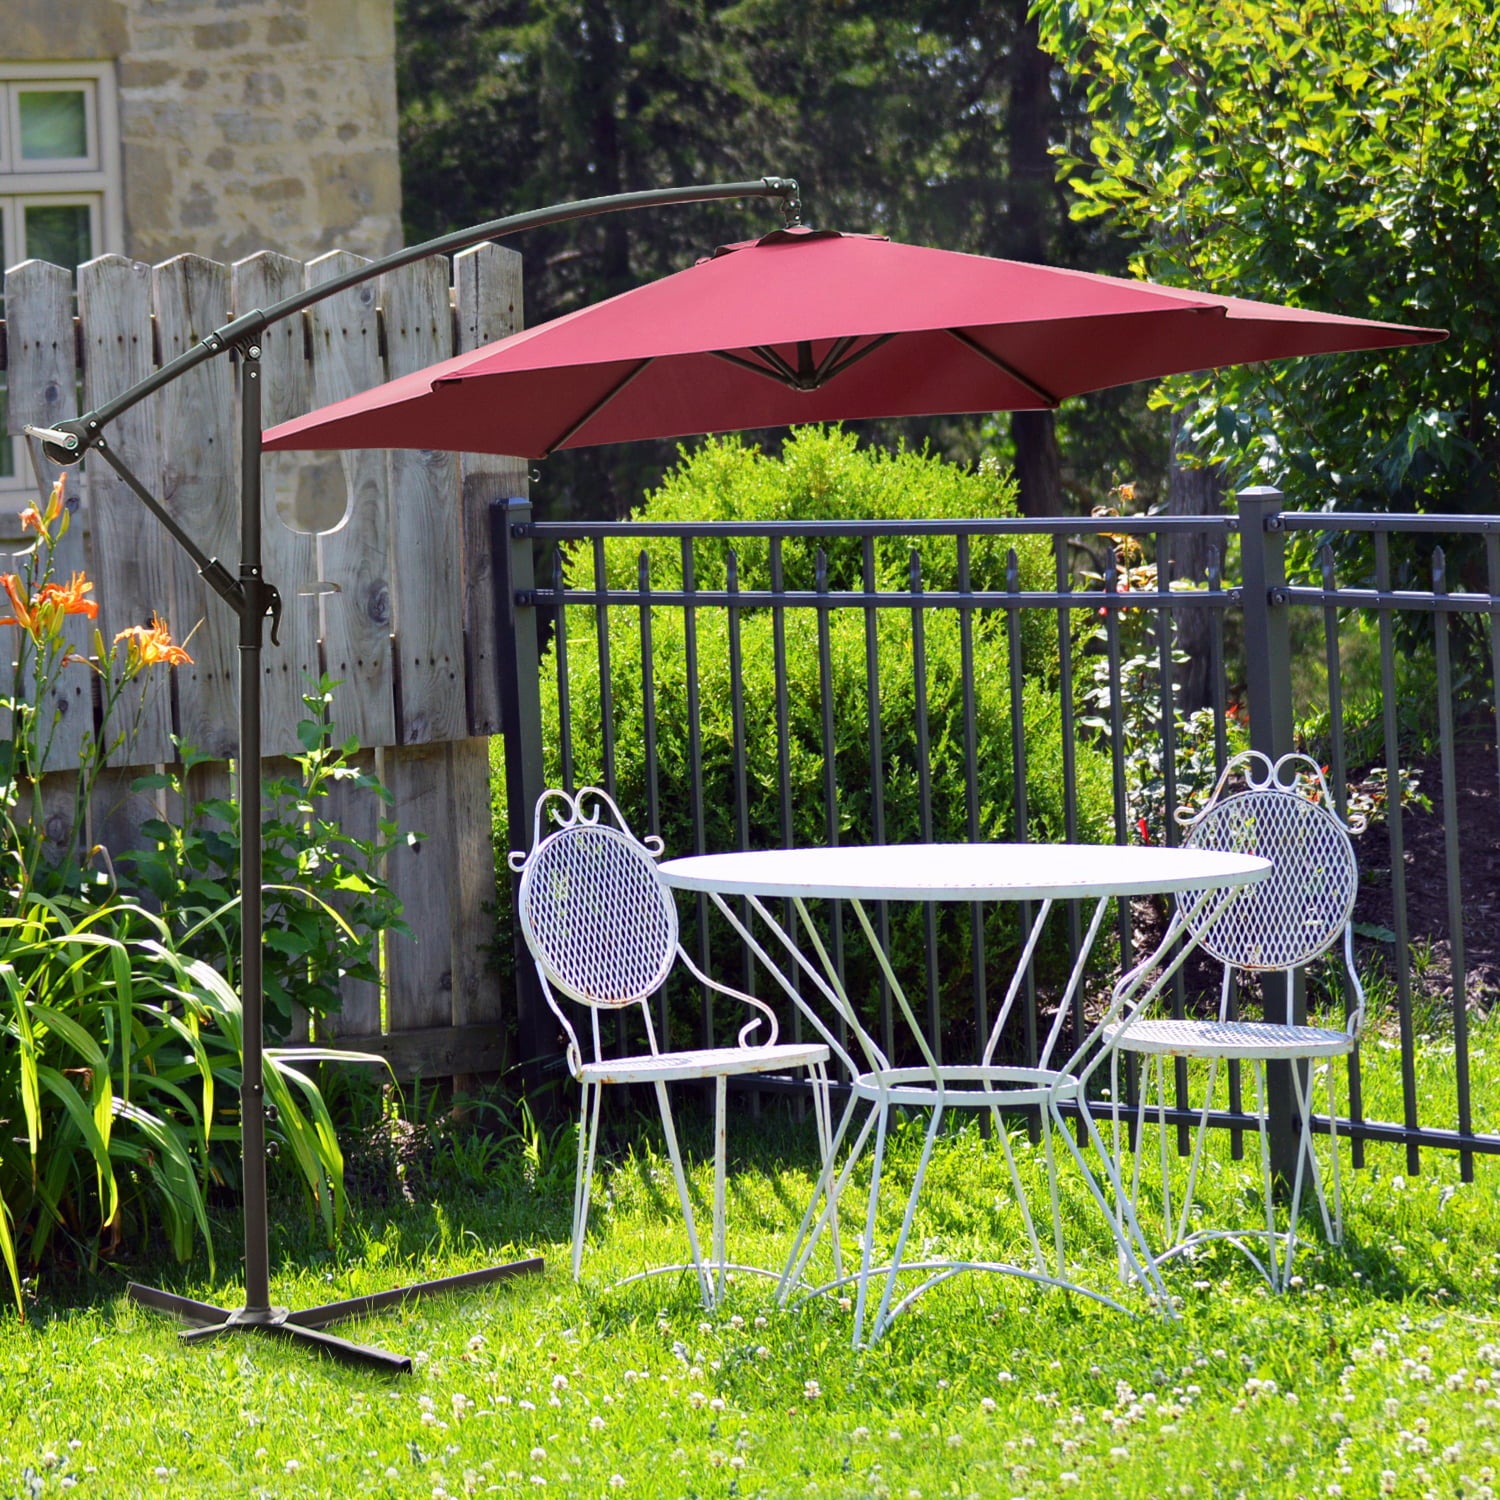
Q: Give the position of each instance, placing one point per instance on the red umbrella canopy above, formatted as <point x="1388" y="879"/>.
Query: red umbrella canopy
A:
<point x="812" y="326"/>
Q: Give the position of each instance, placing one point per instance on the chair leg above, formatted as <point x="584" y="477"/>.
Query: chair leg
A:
<point x="588" y="1136"/>
<point x="1200" y="1138"/>
<point x="1336" y="1236"/>
<point x="867" y="1250"/>
<point x="674" y="1151"/>
<point x="1267" y="1187"/>
<point x="721" y="1086"/>
<point x="823" y="1101"/>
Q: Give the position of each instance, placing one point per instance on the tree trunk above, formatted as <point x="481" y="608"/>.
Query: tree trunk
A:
<point x="1191" y="492"/>
<point x="1028" y="128"/>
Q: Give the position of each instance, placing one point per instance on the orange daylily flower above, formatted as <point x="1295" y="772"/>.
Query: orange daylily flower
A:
<point x="18" y="601"/>
<point x="70" y="596"/>
<point x="34" y="520"/>
<point x="150" y="644"/>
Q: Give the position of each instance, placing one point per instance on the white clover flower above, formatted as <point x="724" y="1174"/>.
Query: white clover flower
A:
<point x="987" y="1403"/>
<point x="1004" y="1377"/>
<point x="705" y="1328"/>
<point x="717" y="1404"/>
<point x="477" y="1342"/>
<point x="762" y="1352"/>
<point x="811" y="1389"/>
<point x="559" y="1382"/>
<point x="860" y="1434"/>
<point x="292" y="1466"/>
<point x="161" y="1472"/>
<point x="538" y="1455"/>
<point x="845" y="1304"/>
<point x="955" y="1440"/>
<point x="1119" y="1452"/>
<point x="696" y="1399"/>
<point x="760" y="1322"/>
<point x="1387" y="1481"/>
<point x="617" y="1481"/>
<point x="736" y="1321"/>
<point x="392" y="1472"/>
<point x="526" y="1405"/>
<point x="737" y="1461"/>
<point x="715" y="1458"/>
<point x="597" y="1423"/>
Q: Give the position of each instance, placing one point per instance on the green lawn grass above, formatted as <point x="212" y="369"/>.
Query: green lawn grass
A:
<point x="1378" y="1374"/>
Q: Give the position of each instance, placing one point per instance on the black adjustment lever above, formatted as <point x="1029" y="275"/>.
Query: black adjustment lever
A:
<point x="273" y="608"/>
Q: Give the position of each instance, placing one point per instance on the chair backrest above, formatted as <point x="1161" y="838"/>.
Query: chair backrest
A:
<point x="593" y="909"/>
<point x="1283" y="815"/>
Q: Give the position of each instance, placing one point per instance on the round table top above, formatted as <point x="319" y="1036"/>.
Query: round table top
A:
<point x="963" y="872"/>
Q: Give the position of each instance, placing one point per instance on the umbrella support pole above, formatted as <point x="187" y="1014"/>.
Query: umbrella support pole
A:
<point x="253" y="599"/>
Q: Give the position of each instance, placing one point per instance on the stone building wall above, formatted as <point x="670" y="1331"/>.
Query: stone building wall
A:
<point x="244" y="125"/>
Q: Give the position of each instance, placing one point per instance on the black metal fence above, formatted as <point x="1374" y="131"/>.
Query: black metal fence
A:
<point x="1088" y="608"/>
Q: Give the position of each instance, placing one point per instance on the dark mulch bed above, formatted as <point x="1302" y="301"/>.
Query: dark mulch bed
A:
<point x="1424" y="859"/>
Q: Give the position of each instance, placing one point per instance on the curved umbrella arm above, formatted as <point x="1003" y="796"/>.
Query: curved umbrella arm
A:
<point x="70" y="440"/>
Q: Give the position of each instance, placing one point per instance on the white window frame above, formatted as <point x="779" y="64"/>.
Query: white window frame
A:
<point x="95" y="180"/>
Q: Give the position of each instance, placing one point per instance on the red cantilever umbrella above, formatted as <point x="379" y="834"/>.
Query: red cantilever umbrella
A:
<point x="808" y="326"/>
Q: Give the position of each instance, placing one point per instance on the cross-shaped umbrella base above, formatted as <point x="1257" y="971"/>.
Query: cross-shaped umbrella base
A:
<point x="306" y="1327"/>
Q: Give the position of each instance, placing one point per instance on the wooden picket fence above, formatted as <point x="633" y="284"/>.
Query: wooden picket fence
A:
<point x="393" y="600"/>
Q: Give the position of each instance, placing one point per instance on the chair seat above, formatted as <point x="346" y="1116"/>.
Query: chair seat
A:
<point x="1263" y="1039"/>
<point x="708" y="1062"/>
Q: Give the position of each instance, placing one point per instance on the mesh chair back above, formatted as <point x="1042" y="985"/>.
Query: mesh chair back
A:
<point x="1297" y="913"/>
<point x="596" y="915"/>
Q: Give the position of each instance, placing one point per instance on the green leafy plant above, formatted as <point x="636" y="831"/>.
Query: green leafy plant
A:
<point x="120" y="1047"/>
<point x="326" y="901"/>
<point x="119" y="1078"/>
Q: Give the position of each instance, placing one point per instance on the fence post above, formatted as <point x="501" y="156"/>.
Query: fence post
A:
<point x="1268" y="693"/>
<point x="517" y="667"/>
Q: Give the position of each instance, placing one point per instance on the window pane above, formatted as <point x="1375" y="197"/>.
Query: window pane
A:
<point x="54" y="125"/>
<point x="58" y="232"/>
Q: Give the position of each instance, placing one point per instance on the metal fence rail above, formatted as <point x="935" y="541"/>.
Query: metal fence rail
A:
<point x="605" y="626"/>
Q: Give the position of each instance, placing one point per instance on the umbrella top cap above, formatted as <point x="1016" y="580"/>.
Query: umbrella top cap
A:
<point x="795" y="234"/>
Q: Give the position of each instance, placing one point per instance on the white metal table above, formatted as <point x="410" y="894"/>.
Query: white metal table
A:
<point x="1038" y="873"/>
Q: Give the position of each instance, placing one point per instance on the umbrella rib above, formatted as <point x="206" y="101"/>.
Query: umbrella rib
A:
<point x="1044" y="396"/>
<point x="778" y="369"/>
<point x="782" y="373"/>
<point x="834" y="365"/>
<point x="573" y="428"/>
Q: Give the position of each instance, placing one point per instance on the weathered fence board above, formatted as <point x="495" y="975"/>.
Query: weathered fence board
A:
<point x="199" y="486"/>
<point x="130" y="572"/>
<point x="43" y="391"/>
<point x="487" y="281"/>
<point x="423" y="875"/>
<point x="357" y="811"/>
<point x="425" y="520"/>
<point x="289" y="557"/>
<point x="357" y="620"/>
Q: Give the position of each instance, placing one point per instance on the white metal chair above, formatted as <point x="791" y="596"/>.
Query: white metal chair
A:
<point x="1283" y="814"/>
<point x="602" y="928"/>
